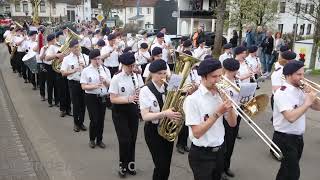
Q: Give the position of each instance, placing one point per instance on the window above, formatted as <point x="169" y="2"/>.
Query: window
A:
<point x="282" y="7"/>
<point x="297" y="10"/>
<point x="42" y="6"/>
<point x="311" y="11"/>
<point x="131" y="10"/>
<point x="302" y="29"/>
<point x="17" y="6"/>
<point x="294" y="30"/>
<point x="86" y="9"/>
<point x="140" y="10"/>
<point x="148" y="10"/>
<point x="306" y="8"/>
<point x="280" y="28"/>
<point x="309" y="29"/>
<point x="25" y="6"/>
<point x="7" y="9"/>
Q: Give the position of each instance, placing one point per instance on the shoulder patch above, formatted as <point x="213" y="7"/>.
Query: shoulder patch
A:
<point x="277" y="69"/>
<point x="283" y="88"/>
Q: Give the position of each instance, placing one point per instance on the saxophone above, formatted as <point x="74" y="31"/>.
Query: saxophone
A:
<point x="56" y="63"/>
<point x="167" y="128"/>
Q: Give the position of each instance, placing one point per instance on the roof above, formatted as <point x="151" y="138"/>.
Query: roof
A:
<point x="71" y="2"/>
<point x="133" y="3"/>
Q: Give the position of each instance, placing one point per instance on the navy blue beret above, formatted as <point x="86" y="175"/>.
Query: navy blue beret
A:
<point x="144" y="45"/>
<point x="157" y="65"/>
<point x="127" y="49"/>
<point x="227" y="46"/>
<point x="238" y="50"/>
<point x="127" y="58"/>
<point x="156" y="51"/>
<point x="94" y="53"/>
<point x="73" y="43"/>
<point x="160" y="35"/>
<point x="51" y="37"/>
<point x="31" y="33"/>
<point x="292" y="67"/>
<point x="253" y="49"/>
<point x="187" y="43"/>
<point x="208" y="56"/>
<point x="59" y="33"/>
<point x="111" y="37"/>
<point x="101" y="43"/>
<point x="231" y="64"/>
<point x="184" y="38"/>
<point x="284" y="48"/>
<point x="201" y="40"/>
<point x="207" y="66"/>
<point x="288" y="55"/>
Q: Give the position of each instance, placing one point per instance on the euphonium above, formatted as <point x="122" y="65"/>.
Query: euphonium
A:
<point x="167" y="128"/>
<point x="56" y="63"/>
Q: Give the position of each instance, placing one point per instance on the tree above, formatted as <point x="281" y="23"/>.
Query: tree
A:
<point x="265" y="11"/>
<point x="312" y="14"/>
<point x="35" y="10"/>
<point x="107" y="5"/>
<point x="220" y="9"/>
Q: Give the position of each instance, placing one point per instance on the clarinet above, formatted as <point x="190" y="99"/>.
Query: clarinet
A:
<point x="98" y="69"/>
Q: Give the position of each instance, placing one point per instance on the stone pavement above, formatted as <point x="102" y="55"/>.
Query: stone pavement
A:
<point x="66" y="155"/>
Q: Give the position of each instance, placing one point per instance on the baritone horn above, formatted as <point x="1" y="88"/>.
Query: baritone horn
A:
<point x="250" y="109"/>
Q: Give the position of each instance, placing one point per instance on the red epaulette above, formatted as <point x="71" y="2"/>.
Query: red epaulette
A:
<point x="283" y="88"/>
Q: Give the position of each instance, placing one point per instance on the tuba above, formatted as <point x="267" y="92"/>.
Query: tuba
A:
<point x="56" y="63"/>
<point x="167" y="128"/>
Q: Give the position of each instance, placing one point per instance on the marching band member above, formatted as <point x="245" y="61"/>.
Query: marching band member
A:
<point x="289" y="119"/>
<point x="52" y="53"/>
<point x="100" y="44"/>
<point x="95" y="80"/>
<point x="143" y="56"/>
<point x="8" y="35"/>
<point x="32" y="45"/>
<point x="160" y="43"/>
<point x="227" y="52"/>
<point x="204" y="111"/>
<point x="86" y="44"/>
<point x="19" y="40"/>
<point x="124" y="88"/>
<point x="144" y="38"/>
<point x="230" y="67"/>
<point x="201" y="51"/>
<point x="151" y="100"/>
<point x="42" y="72"/>
<point x="182" y="40"/>
<point x="72" y="66"/>
<point x="96" y="37"/>
<point x="132" y="42"/>
<point x="110" y="54"/>
<point x="187" y="46"/>
<point x="244" y="73"/>
<point x="254" y="63"/>
<point x="282" y="49"/>
<point x="119" y="41"/>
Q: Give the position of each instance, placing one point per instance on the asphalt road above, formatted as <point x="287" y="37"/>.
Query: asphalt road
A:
<point x="66" y="155"/>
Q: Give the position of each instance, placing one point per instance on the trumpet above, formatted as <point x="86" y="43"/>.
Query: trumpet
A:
<point x="251" y="108"/>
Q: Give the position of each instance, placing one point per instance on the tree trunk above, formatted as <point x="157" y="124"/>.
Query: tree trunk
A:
<point x="221" y="8"/>
<point x="316" y="40"/>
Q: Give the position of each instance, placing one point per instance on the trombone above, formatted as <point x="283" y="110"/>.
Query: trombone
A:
<point x="251" y="108"/>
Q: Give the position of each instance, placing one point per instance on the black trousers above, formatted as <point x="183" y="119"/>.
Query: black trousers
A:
<point x="113" y="70"/>
<point x="206" y="164"/>
<point x="161" y="151"/>
<point x="78" y="105"/>
<point x="64" y="94"/>
<point x="291" y="147"/>
<point x="19" y="64"/>
<point x="183" y="136"/>
<point x="42" y="79"/>
<point x="126" y="120"/>
<point x="52" y="85"/>
<point x="230" y="136"/>
<point x="13" y="61"/>
<point x="31" y="76"/>
<point x="97" y="109"/>
<point x="9" y="48"/>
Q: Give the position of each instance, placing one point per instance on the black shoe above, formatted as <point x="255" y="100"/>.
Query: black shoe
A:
<point x="131" y="169"/>
<point x="180" y="149"/>
<point x="62" y="113"/>
<point x="50" y="105"/>
<point x="20" y="75"/>
<point x="229" y="173"/>
<point x="122" y="171"/>
<point x="239" y="137"/>
<point x="83" y="127"/>
<point x="101" y="145"/>
<point x="69" y="113"/>
<point x="224" y="176"/>
<point x="14" y="71"/>
<point x="76" y="128"/>
<point x="25" y="81"/>
<point x="34" y="88"/>
<point x="92" y="144"/>
<point x="43" y="98"/>
<point x="186" y="149"/>
<point x="57" y="105"/>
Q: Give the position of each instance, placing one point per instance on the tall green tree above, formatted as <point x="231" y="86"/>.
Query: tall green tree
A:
<point x="220" y="9"/>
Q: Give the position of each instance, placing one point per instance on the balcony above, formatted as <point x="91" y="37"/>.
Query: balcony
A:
<point x="202" y="14"/>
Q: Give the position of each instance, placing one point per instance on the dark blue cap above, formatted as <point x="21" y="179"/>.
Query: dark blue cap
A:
<point x="127" y="58"/>
<point x="31" y="33"/>
<point x="208" y="66"/>
<point x="292" y="67"/>
<point x="184" y="38"/>
<point x="284" y="48"/>
<point x="127" y="49"/>
<point x="101" y="42"/>
<point x="231" y="64"/>
<point x="201" y="40"/>
<point x="73" y="43"/>
<point x="253" y="49"/>
<point x="156" y="51"/>
<point x="288" y="55"/>
<point x="208" y="56"/>
<point x="157" y="65"/>
<point x="227" y="46"/>
<point x="238" y="50"/>
<point x="160" y="35"/>
<point x="111" y="37"/>
<point x="51" y="37"/>
<point x="94" y="53"/>
<point x="187" y="43"/>
<point x="144" y="45"/>
<point x="59" y="33"/>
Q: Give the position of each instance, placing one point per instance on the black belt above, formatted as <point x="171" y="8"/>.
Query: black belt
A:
<point x="96" y="95"/>
<point x="74" y="81"/>
<point x="288" y="135"/>
<point x="207" y="149"/>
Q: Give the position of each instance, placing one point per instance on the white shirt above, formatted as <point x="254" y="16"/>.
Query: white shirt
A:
<point x="6" y="33"/>
<point x="146" y="72"/>
<point x="112" y="60"/>
<point x="94" y="40"/>
<point x="276" y="77"/>
<point x="253" y="62"/>
<point x="133" y="44"/>
<point x="72" y="62"/>
<point x="197" y="107"/>
<point x="200" y="53"/>
<point x="164" y="50"/>
<point x="122" y="84"/>
<point x="243" y="70"/>
<point x="91" y="75"/>
<point x="147" y="100"/>
<point x="42" y="51"/>
<point x="141" y="57"/>
<point x="285" y="99"/>
<point x="52" y="49"/>
<point x="22" y="46"/>
<point x="193" y="77"/>
<point x="86" y="42"/>
<point x="30" y="46"/>
<point x="224" y="56"/>
<point x="180" y="48"/>
<point x="143" y="41"/>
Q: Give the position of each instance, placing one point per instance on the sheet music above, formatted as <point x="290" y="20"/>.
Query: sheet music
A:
<point x="247" y="91"/>
<point x="174" y="82"/>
